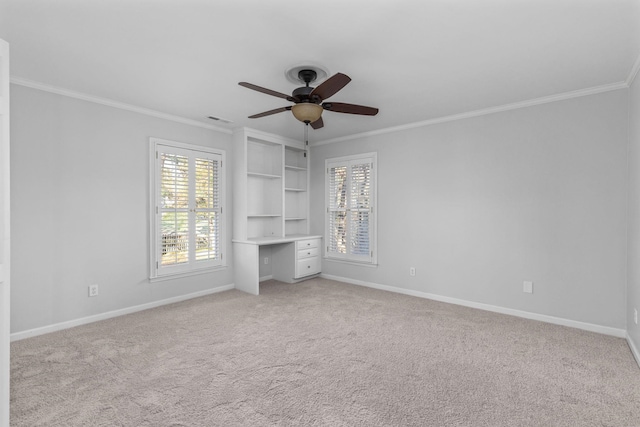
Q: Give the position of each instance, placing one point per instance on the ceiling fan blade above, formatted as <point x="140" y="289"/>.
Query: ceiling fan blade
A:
<point x="330" y="86"/>
<point x="318" y="123"/>
<point x="267" y="91"/>
<point x="270" y="112"/>
<point x="340" y="107"/>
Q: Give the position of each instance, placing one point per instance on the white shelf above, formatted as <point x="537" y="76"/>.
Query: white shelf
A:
<point x="294" y="189"/>
<point x="294" y="168"/>
<point x="263" y="216"/>
<point x="295" y="219"/>
<point x="264" y="175"/>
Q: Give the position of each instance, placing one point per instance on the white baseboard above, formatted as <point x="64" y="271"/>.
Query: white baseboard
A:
<point x="634" y="349"/>
<point x="16" y="336"/>
<point x="620" y="333"/>
<point x="263" y="278"/>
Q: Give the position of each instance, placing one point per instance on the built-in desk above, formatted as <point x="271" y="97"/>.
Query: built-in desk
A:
<point x="293" y="258"/>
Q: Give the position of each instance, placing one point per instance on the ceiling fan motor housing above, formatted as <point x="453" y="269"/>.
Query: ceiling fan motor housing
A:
<point x="307" y="76"/>
<point x="303" y="95"/>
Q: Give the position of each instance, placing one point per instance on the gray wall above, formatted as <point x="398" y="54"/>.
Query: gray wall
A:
<point x="633" y="260"/>
<point x="482" y="204"/>
<point x="476" y="205"/>
<point x="79" y="208"/>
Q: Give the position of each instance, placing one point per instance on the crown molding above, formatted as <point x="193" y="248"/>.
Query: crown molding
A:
<point x="633" y="73"/>
<point x="470" y="114"/>
<point x="483" y="112"/>
<point x="115" y="104"/>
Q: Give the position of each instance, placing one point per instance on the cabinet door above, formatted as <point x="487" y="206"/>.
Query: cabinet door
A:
<point x="307" y="267"/>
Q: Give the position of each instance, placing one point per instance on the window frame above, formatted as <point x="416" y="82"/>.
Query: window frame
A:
<point x="372" y="158"/>
<point x="192" y="267"/>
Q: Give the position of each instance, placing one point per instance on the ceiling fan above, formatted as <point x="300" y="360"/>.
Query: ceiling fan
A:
<point x="309" y="102"/>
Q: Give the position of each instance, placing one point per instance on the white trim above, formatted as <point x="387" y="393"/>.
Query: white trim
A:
<point x="483" y="112"/>
<point x="373" y="155"/>
<point x="616" y="332"/>
<point x="633" y="73"/>
<point x="345" y="261"/>
<point x="194" y="272"/>
<point x="263" y="278"/>
<point x="288" y="141"/>
<point x="372" y="159"/>
<point x="634" y="349"/>
<point x="16" y="336"/>
<point x="115" y="104"/>
<point x="5" y="223"/>
<point x="155" y="274"/>
<point x="155" y="141"/>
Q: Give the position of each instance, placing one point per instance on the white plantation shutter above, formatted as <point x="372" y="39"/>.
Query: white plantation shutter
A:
<point x="360" y="209"/>
<point x="174" y="208"/>
<point x="337" y="237"/>
<point x="187" y="209"/>
<point x="350" y="205"/>
<point x="207" y="209"/>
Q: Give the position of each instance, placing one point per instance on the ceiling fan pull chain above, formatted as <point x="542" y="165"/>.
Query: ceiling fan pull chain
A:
<point x="306" y="134"/>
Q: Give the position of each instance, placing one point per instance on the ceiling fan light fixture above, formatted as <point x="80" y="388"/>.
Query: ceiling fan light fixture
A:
<point x="307" y="112"/>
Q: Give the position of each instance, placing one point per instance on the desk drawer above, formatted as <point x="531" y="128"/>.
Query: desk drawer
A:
<point x="308" y="266"/>
<point x="306" y="253"/>
<point x="307" y="244"/>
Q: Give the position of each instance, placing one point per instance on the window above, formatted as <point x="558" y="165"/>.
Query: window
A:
<point x="350" y="197"/>
<point x="187" y="216"/>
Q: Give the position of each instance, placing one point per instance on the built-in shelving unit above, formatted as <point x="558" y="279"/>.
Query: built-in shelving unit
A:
<point x="271" y="208"/>
<point x="270" y="186"/>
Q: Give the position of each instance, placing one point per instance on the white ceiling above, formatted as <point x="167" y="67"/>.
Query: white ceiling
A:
<point x="416" y="60"/>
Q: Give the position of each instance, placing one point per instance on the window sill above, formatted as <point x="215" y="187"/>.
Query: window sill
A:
<point x="198" y="272"/>
<point x="351" y="262"/>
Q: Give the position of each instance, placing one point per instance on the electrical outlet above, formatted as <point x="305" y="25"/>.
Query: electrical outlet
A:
<point x="527" y="287"/>
<point x="93" y="290"/>
<point x="635" y="316"/>
<point x="412" y="271"/>
<point x="266" y="260"/>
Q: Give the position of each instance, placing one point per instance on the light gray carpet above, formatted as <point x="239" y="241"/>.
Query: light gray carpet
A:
<point x="322" y="353"/>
